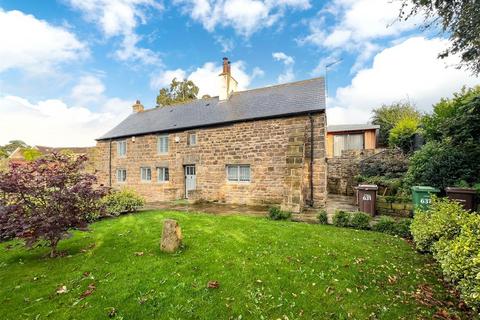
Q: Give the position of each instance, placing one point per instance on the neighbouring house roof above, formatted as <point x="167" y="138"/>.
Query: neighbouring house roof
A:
<point x="76" y="150"/>
<point x="18" y="153"/>
<point x="301" y="97"/>
<point x="352" y="127"/>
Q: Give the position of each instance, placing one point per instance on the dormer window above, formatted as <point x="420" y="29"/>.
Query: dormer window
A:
<point x="122" y="148"/>
<point x="192" y="139"/>
<point x="162" y="144"/>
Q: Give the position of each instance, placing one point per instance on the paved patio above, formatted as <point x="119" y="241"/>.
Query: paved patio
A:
<point x="334" y="202"/>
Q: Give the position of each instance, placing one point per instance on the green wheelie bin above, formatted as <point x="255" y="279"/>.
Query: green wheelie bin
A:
<point x="421" y="196"/>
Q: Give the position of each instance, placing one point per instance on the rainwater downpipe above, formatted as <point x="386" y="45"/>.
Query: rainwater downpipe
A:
<point x="311" y="159"/>
<point x="110" y="164"/>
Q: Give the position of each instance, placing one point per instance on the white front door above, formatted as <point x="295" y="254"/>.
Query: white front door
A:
<point x="190" y="179"/>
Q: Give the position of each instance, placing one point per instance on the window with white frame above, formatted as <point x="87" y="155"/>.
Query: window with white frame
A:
<point x="238" y="173"/>
<point x="121" y="175"/>
<point x="162" y="174"/>
<point x="162" y="144"/>
<point x="192" y="139"/>
<point x="122" y="148"/>
<point x="146" y="174"/>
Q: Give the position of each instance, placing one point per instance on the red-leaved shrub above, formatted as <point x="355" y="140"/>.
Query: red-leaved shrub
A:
<point x="44" y="199"/>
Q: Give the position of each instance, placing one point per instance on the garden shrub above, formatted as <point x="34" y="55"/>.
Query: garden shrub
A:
<point x="386" y="225"/>
<point x="274" y="213"/>
<point x="43" y="199"/>
<point x="322" y="217"/>
<point x="385" y="169"/>
<point x="403" y="134"/>
<point x="360" y="220"/>
<point x="122" y="201"/>
<point x="387" y="116"/>
<point x="453" y="236"/>
<point x="389" y="164"/>
<point x="402" y="228"/>
<point x="443" y="164"/>
<point x="441" y="220"/>
<point x="341" y="218"/>
<point x="390" y="226"/>
<point x="459" y="259"/>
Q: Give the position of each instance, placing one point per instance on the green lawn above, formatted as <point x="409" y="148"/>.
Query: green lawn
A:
<point x="266" y="270"/>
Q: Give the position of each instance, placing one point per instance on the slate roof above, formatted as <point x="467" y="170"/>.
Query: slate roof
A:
<point x="351" y="127"/>
<point x="300" y="97"/>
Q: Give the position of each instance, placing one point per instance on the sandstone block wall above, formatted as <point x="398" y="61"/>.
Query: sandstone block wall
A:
<point x="277" y="151"/>
<point x="342" y="171"/>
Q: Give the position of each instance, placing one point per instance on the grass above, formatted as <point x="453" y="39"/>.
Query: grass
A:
<point x="266" y="270"/>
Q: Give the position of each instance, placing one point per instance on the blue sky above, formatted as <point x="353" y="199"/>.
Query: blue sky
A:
<point x="71" y="69"/>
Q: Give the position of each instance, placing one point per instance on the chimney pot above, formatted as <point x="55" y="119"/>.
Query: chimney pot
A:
<point x="225" y="65"/>
<point x="228" y="84"/>
<point x="138" y="107"/>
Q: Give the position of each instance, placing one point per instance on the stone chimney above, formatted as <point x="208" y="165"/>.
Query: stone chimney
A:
<point x="138" y="107"/>
<point x="228" y="84"/>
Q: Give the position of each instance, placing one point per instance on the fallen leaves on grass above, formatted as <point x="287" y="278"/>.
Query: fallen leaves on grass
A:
<point x="444" y="315"/>
<point x="62" y="289"/>
<point x="89" y="247"/>
<point x="90" y="289"/>
<point x="112" y="312"/>
<point x="424" y="295"/>
<point x="392" y="279"/>
<point x="213" y="284"/>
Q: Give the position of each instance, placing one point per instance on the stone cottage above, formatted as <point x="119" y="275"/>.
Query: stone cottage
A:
<point x="260" y="146"/>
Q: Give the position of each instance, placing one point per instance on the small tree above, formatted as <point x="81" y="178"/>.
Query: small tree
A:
<point x="179" y="91"/>
<point x="403" y="133"/>
<point x="46" y="198"/>
<point x="31" y="154"/>
<point x="10" y="147"/>
<point x="387" y="116"/>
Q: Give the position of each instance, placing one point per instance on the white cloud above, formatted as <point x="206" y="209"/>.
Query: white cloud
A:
<point x="288" y="62"/>
<point x="408" y="70"/>
<point x="207" y="77"/>
<point x="357" y="21"/>
<point x="120" y="18"/>
<point x="35" y="45"/>
<point x="357" y="27"/>
<point x="54" y="123"/>
<point x="164" y="78"/>
<point x="226" y="43"/>
<point x="244" y="16"/>
<point x="88" y="90"/>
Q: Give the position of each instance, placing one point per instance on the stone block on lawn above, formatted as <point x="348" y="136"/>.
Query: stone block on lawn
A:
<point x="171" y="236"/>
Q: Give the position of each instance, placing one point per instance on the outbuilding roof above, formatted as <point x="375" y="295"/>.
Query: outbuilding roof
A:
<point x="352" y="127"/>
<point x="294" y="98"/>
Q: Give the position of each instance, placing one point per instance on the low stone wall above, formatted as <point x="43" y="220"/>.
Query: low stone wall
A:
<point x="342" y="171"/>
<point x="391" y="206"/>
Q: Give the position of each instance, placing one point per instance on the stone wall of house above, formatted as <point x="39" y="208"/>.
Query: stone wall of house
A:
<point x="342" y="170"/>
<point x="277" y="151"/>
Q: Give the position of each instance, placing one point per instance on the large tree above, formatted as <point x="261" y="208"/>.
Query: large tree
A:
<point x="45" y="198"/>
<point x="10" y="147"/>
<point x="388" y="116"/>
<point x="459" y="19"/>
<point x="451" y="154"/>
<point x="179" y="91"/>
